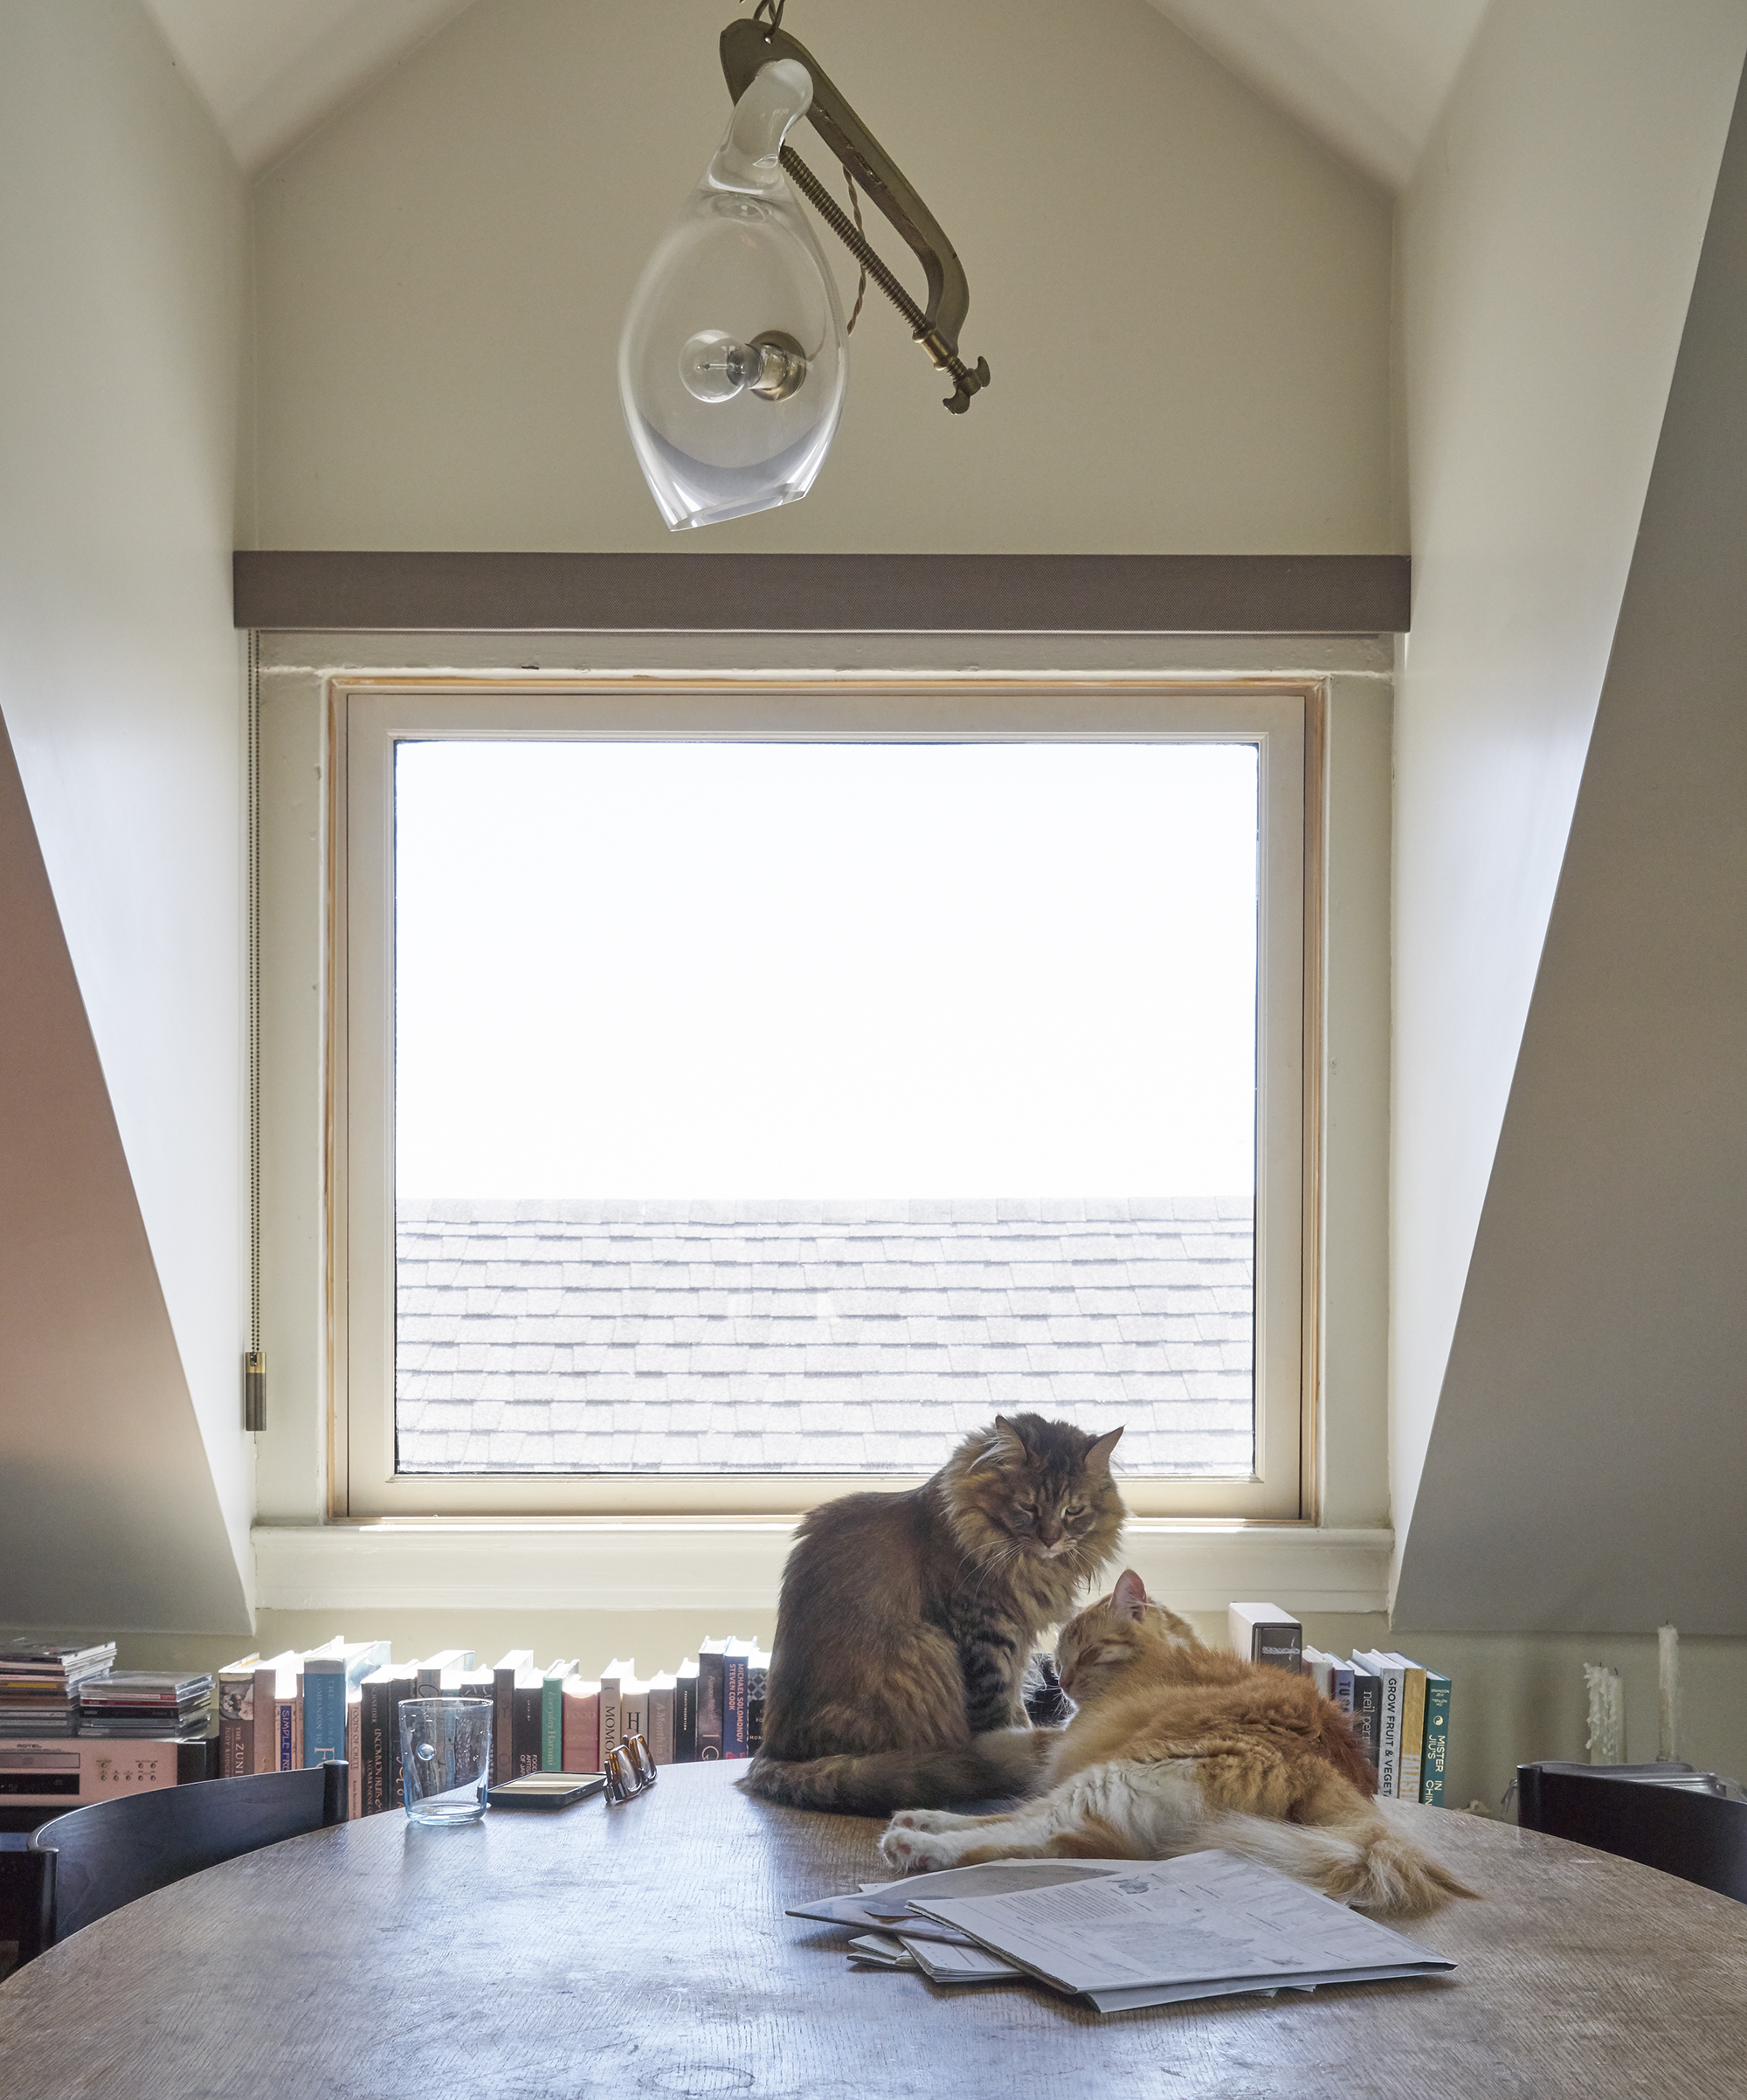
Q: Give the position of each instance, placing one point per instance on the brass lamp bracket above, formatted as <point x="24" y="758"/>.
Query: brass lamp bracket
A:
<point x="746" y="45"/>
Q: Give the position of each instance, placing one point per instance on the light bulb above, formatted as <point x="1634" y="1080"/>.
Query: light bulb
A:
<point x="731" y="365"/>
<point x="717" y="367"/>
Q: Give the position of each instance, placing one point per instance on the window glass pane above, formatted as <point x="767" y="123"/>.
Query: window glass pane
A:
<point x="767" y="1107"/>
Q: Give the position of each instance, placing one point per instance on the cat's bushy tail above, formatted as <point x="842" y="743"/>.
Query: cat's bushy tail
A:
<point x="1366" y="1861"/>
<point x="997" y="1765"/>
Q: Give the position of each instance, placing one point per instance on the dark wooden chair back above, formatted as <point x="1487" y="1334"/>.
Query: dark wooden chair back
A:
<point x="1701" y="1837"/>
<point x="101" y="1857"/>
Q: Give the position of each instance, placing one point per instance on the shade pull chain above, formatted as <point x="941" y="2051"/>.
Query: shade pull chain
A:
<point x="862" y="289"/>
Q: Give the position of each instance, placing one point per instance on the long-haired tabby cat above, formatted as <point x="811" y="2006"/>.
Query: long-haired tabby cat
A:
<point x="907" y="1621"/>
<point x="1181" y="1748"/>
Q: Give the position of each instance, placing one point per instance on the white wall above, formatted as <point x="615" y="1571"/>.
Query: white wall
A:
<point x="1588" y="1466"/>
<point x="1184" y="300"/>
<point x="1548" y="246"/>
<point x="122" y="253"/>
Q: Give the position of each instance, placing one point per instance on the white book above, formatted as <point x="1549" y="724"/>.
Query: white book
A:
<point x="633" y="1708"/>
<point x="1320" y="1668"/>
<point x="1391" y="1676"/>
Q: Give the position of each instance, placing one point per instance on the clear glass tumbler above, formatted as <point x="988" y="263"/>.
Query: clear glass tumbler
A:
<point x="445" y="1759"/>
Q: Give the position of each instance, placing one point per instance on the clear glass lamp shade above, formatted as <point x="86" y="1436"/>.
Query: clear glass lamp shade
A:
<point x="732" y="363"/>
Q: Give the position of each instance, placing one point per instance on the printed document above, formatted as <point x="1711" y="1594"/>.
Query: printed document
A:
<point x="1149" y="1932"/>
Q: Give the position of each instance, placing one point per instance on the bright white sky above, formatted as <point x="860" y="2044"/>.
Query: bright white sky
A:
<point x="739" y="970"/>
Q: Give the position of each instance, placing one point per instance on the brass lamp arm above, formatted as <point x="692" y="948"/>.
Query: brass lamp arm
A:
<point x="748" y="44"/>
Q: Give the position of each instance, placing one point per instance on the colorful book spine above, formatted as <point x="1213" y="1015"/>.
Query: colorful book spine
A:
<point x="633" y="1708"/>
<point x="1437" y="1739"/>
<point x="610" y="1732"/>
<point x="1410" y="1764"/>
<point x="582" y="1725"/>
<point x="324" y="1710"/>
<point x="403" y="1687"/>
<point x="236" y="1717"/>
<point x="552" y="1717"/>
<point x="662" y="1688"/>
<point x="354" y="1753"/>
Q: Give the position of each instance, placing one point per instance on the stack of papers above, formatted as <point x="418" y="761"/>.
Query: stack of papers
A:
<point x="1122" y="1933"/>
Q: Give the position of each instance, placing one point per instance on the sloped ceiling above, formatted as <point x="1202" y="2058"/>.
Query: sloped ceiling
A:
<point x="1587" y="1467"/>
<point x="1368" y="76"/>
<point x="271" y="71"/>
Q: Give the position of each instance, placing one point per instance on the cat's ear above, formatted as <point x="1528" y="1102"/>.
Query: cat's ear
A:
<point x="1006" y="1444"/>
<point x="1130" y="1597"/>
<point x="1098" y="1456"/>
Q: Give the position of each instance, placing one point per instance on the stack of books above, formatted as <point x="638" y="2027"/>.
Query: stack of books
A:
<point x="166" y="1704"/>
<point x="39" y="1686"/>
<point x="1399" y="1710"/>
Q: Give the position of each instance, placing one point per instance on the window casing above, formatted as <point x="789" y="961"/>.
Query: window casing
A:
<point x="367" y="719"/>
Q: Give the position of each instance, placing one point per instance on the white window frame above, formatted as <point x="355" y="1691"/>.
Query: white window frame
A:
<point x="1283" y="718"/>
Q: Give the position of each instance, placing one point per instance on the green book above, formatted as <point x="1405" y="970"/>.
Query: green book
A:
<point x="552" y="1716"/>
<point x="1437" y="1739"/>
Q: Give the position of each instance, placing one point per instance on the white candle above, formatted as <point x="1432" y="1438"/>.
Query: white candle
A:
<point x="1606" y="1715"/>
<point x="1668" y="1694"/>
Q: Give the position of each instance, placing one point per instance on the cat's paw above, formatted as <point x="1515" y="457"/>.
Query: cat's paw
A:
<point x="919" y="1851"/>
<point x="928" y="1819"/>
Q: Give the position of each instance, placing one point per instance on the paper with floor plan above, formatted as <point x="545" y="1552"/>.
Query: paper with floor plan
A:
<point x="1151" y="1932"/>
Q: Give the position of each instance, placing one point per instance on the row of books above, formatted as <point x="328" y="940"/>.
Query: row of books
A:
<point x="343" y="1700"/>
<point x="1399" y="1710"/>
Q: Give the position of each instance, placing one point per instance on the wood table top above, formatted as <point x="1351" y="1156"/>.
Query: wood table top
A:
<point x="644" y="1949"/>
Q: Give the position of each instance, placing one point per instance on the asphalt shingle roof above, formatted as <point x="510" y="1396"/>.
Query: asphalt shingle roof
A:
<point x="817" y="1337"/>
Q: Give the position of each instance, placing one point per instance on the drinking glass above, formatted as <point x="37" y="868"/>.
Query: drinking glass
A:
<point x="445" y="1759"/>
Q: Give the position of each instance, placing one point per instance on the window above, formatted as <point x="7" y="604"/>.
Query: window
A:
<point x="741" y="1090"/>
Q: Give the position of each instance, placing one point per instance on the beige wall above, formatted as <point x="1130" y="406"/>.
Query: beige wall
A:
<point x="1184" y="301"/>
<point x="122" y="253"/>
<point x="1548" y="245"/>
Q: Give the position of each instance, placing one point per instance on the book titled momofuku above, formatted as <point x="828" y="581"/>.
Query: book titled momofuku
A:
<point x="611" y="1678"/>
<point x="582" y="1725"/>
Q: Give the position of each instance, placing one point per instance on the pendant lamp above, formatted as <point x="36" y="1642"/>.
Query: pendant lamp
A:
<point x="733" y="358"/>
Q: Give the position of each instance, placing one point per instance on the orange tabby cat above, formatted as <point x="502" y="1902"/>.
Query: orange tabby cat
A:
<point x="1182" y="1748"/>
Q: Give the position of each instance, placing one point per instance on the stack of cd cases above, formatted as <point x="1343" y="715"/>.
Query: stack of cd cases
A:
<point x="145" y="1702"/>
<point x="40" y="1682"/>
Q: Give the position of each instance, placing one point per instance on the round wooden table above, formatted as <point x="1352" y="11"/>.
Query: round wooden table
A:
<point x="643" y="1950"/>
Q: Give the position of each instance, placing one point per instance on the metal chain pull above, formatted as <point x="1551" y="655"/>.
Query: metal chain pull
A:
<point x="862" y="289"/>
